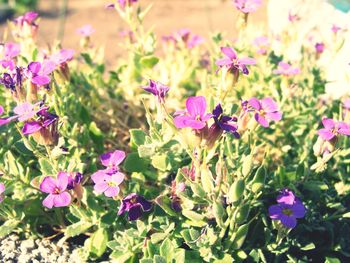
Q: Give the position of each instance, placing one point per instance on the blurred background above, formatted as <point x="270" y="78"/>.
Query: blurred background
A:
<point x="61" y="18"/>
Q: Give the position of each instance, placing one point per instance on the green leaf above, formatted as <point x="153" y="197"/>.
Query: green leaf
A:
<point x="137" y="138"/>
<point x="46" y="167"/>
<point x="149" y="61"/>
<point x="77" y="228"/>
<point x="96" y="135"/>
<point x="159" y="259"/>
<point x="332" y="260"/>
<point x="121" y="256"/>
<point x="309" y="246"/>
<point x="98" y="242"/>
<point x="161" y="162"/>
<point x="133" y="163"/>
<point x="167" y="250"/>
<point x="7" y="227"/>
<point x="146" y="260"/>
<point x="87" y="58"/>
<point x="227" y="258"/>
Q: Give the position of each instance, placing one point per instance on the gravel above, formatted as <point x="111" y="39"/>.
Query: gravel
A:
<point x="14" y="250"/>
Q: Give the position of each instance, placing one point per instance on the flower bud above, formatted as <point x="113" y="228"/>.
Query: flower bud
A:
<point x="236" y="191"/>
<point x="247" y="165"/>
<point x="207" y="179"/>
<point x="241" y="214"/>
<point x="219" y="213"/>
<point x="240" y="236"/>
<point x="258" y="181"/>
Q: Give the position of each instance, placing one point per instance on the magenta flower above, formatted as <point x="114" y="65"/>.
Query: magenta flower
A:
<point x="108" y="183"/>
<point x="319" y="47"/>
<point x="2" y="190"/>
<point x="266" y="110"/>
<point x="261" y="43"/>
<point x="247" y="6"/>
<point x="135" y="205"/>
<point x="335" y="28"/>
<point x="332" y="129"/>
<point x="23" y="112"/>
<point x="195" y="117"/>
<point x="184" y="36"/>
<point x="38" y="73"/>
<point x="62" y="57"/>
<point x="57" y="190"/>
<point x="27" y="18"/>
<point x="286" y="69"/>
<point x="346" y="104"/>
<point x="292" y="17"/>
<point x="11" y="50"/>
<point x="232" y="62"/>
<point x="86" y="31"/>
<point x="288" y="209"/>
<point x="157" y="89"/>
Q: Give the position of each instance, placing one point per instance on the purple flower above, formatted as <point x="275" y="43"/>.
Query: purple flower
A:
<point x="8" y="81"/>
<point x="2" y="190"/>
<point x="38" y="73"/>
<point x="56" y="188"/>
<point x="195" y="117"/>
<point x="261" y="43"/>
<point x="86" y="31"/>
<point x="184" y="36"/>
<point x="74" y="179"/>
<point x="123" y="3"/>
<point x="107" y="181"/>
<point x="135" y="205"/>
<point x="247" y="6"/>
<point x="232" y="62"/>
<point x="266" y="110"/>
<point x="332" y="129"/>
<point x="112" y="159"/>
<point x="224" y="122"/>
<point x="108" y="184"/>
<point x="62" y="57"/>
<point x="288" y="209"/>
<point x="293" y="17"/>
<point x="11" y="50"/>
<point x="286" y="69"/>
<point x="157" y="89"/>
<point x="346" y="104"/>
<point x="24" y="112"/>
<point x="27" y="18"/>
<point x="319" y="47"/>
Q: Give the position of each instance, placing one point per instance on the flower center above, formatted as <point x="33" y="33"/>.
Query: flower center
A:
<point x="133" y="200"/>
<point x="111" y="184"/>
<point x="262" y="112"/>
<point x="56" y="191"/>
<point x="287" y="212"/>
<point x="198" y="117"/>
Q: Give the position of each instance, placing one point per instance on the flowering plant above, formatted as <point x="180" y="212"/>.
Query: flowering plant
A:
<point x="173" y="157"/>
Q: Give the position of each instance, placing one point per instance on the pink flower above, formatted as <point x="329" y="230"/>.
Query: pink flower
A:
<point x="195" y="117"/>
<point x="319" y="47"/>
<point x="247" y="6"/>
<point x="286" y="69"/>
<point x="57" y="190"/>
<point x="332" y="129"/>
<point x="109" y="184"/>
<point x="62" y="56"/>
<point x="86" y="31"/>
<point x="266" y="110"/>
<point x="112" y="159"/>
<point x="38" y="73"/>
<point x="261" y="43"/>
<point x="23" y="112"/>
<point x="232" y="62"/>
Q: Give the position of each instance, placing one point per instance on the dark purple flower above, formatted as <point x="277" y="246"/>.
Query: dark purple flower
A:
<point x="226" y="123"/>
<point x="288" y="209"/>
<point x="135" y="205"/>
<point x="157" y="89"/>
<point x="247" y="6"/>
<point x="332" y="129"/>
<point x="195" y="117"/>
<point x="74" y="179"/>
<point x="8" y="81"/>
<point x="286" y="69"/>
<point x="319" y="47"/>
<point x="56" y="188"/>
<point x="266" y="110"/>
<point x="232" y="62"/>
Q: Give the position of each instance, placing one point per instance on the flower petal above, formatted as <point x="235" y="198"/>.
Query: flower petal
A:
<point x="269" y="105"/>
<point x="48" y="185"/>
<point x="288" y="221"/>
<point x="298" y="210"/>
<point x="196" y="106"/>
<point x="100" y="187"/>
<point x="328" y="123"/>
<point x="135" y="212"/>
<point x="62" y="199"/>
<point x="112" y="191"/>
<point x="49" y="201"/>
<point x="262" y="120"/>
<point x="112" y="158"/>
<point x="41" y="80"/>
<point x="223" y="62"/>
<point x="31" y="127"/>
<point x="117" y="178"/>
<point x="229" y="52"/>
<point x="255" y="103"/>
<point x="276" y="116"/>
<point x="62" y="179"/>
<point x="326" y="134"/>
<point x="275" y="211"/>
